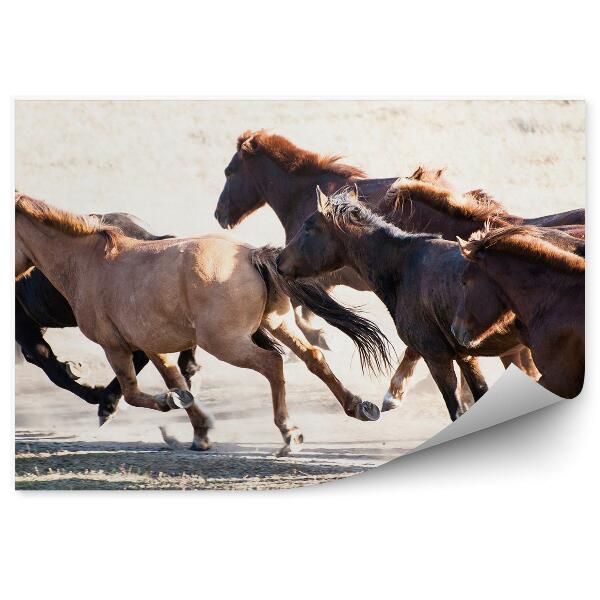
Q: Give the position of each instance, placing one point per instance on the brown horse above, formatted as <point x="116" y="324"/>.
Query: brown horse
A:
<point x="518" y="270"/>
<point x="415" y="275"/>
<point x="269" y="169"/>
<point x="168" y="295"/>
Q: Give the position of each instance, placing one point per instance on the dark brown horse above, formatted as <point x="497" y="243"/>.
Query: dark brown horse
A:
<point x="519" y="270"/>
<point x="415" y="275"/>
<point x="425" y="202"/>
<point x="419" y="205"/>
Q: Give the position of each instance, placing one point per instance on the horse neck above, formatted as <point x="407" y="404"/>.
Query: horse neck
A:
<point x="419" y="217"/>
<point x="379" y="258"/>
<point x="58" y="256"/>
<point x="291" y="196"/>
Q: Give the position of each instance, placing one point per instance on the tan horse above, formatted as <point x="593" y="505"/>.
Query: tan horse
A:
<point x="168" y="295"/>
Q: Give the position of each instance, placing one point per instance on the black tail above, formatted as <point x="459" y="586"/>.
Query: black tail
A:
<point x="263" y="339"/>
<point x="374" y="349"/>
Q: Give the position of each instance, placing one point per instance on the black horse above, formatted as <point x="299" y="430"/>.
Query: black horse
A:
<point x="39" y="306"/>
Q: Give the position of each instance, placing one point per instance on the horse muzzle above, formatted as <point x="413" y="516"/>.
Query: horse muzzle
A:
<point x="459" y="331"/>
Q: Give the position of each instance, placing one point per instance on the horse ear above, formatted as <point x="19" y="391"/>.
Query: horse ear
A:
<point x="440" y="172"/>
<point x="352" y="195"/>
<point x="323" y="202"/>
<point x="466" y="248"/>
<point x="249" y="145"/>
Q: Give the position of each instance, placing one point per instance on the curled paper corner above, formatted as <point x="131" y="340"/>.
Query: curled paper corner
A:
<point x="513" y="395"/>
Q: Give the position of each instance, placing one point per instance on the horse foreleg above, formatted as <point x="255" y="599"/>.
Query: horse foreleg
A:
<point x="37" y="351"/>
<point x="398" y="383"/>
<point x="472" y="375"/>
<point x="120" y="360"/>
<point x="199" y="417"/>
<point x="523" y="360"/>
<point x="442" y="371"/>
<point x="315" y="361"/>
<point x="109" y="400"/>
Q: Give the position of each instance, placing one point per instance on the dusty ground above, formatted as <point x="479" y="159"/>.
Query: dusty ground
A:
<point x="163" y="161"/>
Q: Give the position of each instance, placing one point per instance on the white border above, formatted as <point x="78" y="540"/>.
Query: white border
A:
<point x="507" y="512"/>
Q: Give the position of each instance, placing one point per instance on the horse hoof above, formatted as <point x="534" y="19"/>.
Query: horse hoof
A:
<point x="75" y="370"/>
<point x="366" y="411"/>
<point x="389" y="402"/>
<point x="322" y="343"/>
<point x="103" y="419"/>
<point x="200" y="446"/>
<point x="179" y="399"/>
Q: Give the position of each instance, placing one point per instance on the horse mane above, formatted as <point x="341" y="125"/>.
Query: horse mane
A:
<point x="476" y="205"/>
<point x="68" y="223"/>
<point x="528" y="242"/>
<point x="291" y="158"/>
<point x="345" y="212"/>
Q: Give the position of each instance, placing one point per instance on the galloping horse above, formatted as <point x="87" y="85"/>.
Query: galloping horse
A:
<point x="39" y="306"/>
<point x="519" y="270"/>
<point x="169" y="295"/>
<point x="425" y="203"/>
<point x="415" y="275"/>
<point x="269" y="169"/>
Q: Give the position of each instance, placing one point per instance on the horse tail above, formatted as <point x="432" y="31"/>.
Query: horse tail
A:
<point x="374" y="348"/>
<point x="263" y="339"/>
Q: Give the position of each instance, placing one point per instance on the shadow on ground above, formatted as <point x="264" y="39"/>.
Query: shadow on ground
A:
<point x="47" y="462"/>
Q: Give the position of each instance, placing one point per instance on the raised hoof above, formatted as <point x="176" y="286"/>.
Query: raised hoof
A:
<point x="75" y="370"/>
<point x="103" y="419"/>
<point x="389" y="402"/>
<point x="317" y="338"/>
<point x="322" y="343"/>
<point x="366" y="411"/>
<point x="176" y="399"/>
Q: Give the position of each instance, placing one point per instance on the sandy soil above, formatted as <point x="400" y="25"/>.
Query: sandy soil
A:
<point x="163" y="161"/>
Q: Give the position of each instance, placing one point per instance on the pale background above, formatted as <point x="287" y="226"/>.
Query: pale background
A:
<point x="163" y="161"/>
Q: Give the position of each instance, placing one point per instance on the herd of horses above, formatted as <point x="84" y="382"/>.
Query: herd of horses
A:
<point x="460" y="276"/>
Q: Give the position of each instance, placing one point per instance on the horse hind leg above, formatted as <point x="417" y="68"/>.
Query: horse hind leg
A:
<point x="260" y="356"/>
<point x="179" y="396"/>
<point x="304" y="318"/>
<point x="399" y="381"/>
<point x="313" y="358"/>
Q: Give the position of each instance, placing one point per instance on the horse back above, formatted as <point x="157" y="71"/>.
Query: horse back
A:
<point x="569" y="217"/>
